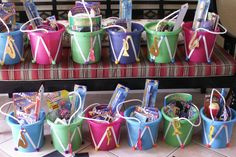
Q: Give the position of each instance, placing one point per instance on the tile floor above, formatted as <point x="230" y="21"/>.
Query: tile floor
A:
<point x="162" y="149"/>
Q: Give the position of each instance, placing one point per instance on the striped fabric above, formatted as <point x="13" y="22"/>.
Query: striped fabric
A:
<point x="222" y="65"/>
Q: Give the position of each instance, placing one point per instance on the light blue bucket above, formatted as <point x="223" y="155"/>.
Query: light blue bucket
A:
<point x="17" y="44"/>
<point x="148" y="129"/>
<point x="33" y="134"/>
<point x="224" y="129"/>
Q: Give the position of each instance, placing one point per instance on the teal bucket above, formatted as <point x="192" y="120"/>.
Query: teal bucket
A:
<point x="222" y="132"/>
<point x="11" y="47"/>
<point x="148" y="130"/>
<point x="28" y="138"/>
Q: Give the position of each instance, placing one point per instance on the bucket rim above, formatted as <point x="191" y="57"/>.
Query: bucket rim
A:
<point x="76" y="122"/>
<point x="39" y="122"/>
<point x="110" y="31"/>
<point x="153" y="32"/>
<point x="83" y="17"/>
<point x="71" y="32"/>
<point x="186" y="27"/>
<point x="144" y="123"/>
<point x="15" y="32"/>
<point x="166" y="117"/>
<point x="205" y="118"/>
<point x="61" y="30"/>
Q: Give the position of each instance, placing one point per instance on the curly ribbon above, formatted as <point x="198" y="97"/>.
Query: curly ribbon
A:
<point x="109" y="135"/>
<point x="10" y="49"/>
<point x="139" y="144"/>
<point x="212" y="128"/>
<point x="176" y="126"/>
<point x="126" y="46"/>
<point x="154" y="50"/>
<point x="22" y="141"/>
<point x="91" y="54"/>
<point x="194" y="42"/>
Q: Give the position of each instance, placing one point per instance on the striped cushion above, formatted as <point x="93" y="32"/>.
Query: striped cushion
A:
<point x="222" y="65"/>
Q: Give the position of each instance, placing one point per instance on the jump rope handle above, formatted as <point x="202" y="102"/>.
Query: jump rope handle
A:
<point x="34" y="30"/>
<point x="211" y="98"/>
<point x="216" y="33"/>
<point x="86" y="118"/>
<point x="6" y="114"/>
<point x="128" y="118"/>
<point x="8" y="30"/>
<point x="162" y="20"/>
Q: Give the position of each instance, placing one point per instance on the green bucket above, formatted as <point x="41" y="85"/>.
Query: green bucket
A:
<point x="61" y="134"/>
<point x="185" y="129"/>
<point x="86" y="46"/>
<point x="165" y="51"/>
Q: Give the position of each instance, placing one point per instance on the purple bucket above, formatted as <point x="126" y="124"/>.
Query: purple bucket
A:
<point x="130" y="39"/>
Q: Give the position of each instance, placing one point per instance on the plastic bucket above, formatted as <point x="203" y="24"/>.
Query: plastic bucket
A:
<point x="222" y="131"/>
<point x="60" y="135"/>
<point x="163" y="43"/>
<point x="105" y="136"/>
<point x="17" y="44"/>
<point x="86" y="46"/>
<point x="27" y="138"/>
<point x="204" y="49"/>
<point x="148" y="129"/>
<point x="185" y="129"/>
<point x="125" y="46"/>
<point x="67" y="138"/>
<point x="46" y="46"/>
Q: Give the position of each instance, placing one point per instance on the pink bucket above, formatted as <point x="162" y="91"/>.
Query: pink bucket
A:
<point x="46" y="46"/>
<point x="205" y="39"/>
<point x="100" y="131"/>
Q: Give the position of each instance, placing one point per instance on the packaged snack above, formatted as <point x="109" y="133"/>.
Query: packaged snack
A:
<point x="93" y="8"/>
<point x="32" y="12"/>
<point x="201" y="13"/>
<point x="7" y="14"/>
<point x="150" y="93"/>
<point x="118" y="96"/>
<point x="27" y="105"/>
<point x="53" y="99"/>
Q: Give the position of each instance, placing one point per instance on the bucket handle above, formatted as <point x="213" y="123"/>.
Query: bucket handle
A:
<point x="86" y="118"/>
<point x="162" y="20"/>
<point x="8" y="30"/>
<point x="80" y="104"/>
<point x="111" y="26"/>
<point x="216" y="33"/>
<point x="222" y="98"/>
<point x="195" y="125"/>
<point x="128" y="118"/>
<point x="6" y="114"/>
<point x="29" y="31"/>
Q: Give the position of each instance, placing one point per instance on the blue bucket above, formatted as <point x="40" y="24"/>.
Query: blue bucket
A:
<point x="30" y="136"/>
<point x="17" y="43"/>
<point x="132" y="39"/>
<point x="148" y="129"/>
<point x="224" y="129"/>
